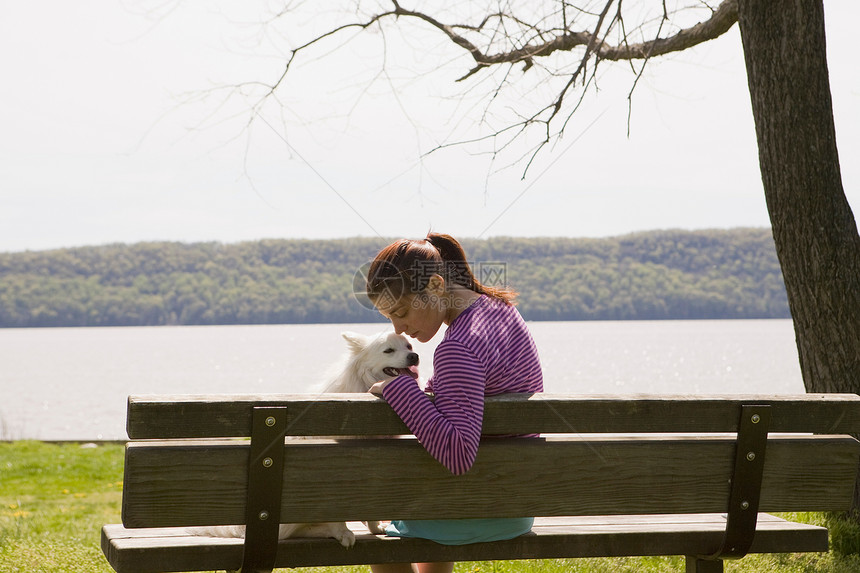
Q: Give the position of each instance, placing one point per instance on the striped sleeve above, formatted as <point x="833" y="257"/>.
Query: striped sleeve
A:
<point x="449" y="428"/>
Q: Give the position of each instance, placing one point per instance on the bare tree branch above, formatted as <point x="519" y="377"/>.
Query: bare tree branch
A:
<point x="503" y="38"/>
<point x="720" y="21"/>
<point x="723" y="18"/>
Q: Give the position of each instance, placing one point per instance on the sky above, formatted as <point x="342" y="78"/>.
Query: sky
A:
<point x="117" y="128"/>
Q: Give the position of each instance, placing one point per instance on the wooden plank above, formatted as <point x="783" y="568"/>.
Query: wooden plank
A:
<point x="203" y="483"/>
<point x="168" y="549"/>
<point x="151" y="550"/>
<point x="182" y="416"/>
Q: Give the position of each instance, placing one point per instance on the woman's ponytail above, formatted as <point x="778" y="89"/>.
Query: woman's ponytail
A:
<point x="458" y="271"/>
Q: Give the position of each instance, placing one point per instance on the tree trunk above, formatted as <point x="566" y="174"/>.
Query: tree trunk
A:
<point x="813" y="227"/>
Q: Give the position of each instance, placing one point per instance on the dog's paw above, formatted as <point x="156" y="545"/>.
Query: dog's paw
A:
<point x="344" y="535"/>
<point x="374" y="527"/>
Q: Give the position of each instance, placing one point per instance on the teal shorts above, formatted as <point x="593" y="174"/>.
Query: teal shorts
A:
<point x="461" y="531"/>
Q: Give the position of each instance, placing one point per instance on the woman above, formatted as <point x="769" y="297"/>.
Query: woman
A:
<point x="486" y="350"/>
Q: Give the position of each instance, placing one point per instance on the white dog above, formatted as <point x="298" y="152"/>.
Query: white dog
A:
<point x="370" y="359"/>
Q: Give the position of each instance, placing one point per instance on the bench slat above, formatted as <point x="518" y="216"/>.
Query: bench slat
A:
<point x="202" y="483"/>
<point x="183" y="416"/>
<point x="152" y="550"/>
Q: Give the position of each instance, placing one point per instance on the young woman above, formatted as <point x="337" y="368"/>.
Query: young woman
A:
<point x="486" y="350"/>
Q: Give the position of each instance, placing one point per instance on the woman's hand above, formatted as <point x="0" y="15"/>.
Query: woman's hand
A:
<point x="376" y="389"/>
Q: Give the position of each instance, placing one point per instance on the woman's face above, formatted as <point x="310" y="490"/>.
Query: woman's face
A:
<point x="418" y="316"/>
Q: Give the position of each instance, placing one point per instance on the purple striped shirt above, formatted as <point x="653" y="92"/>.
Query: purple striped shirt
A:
<point x="487" y="350"/>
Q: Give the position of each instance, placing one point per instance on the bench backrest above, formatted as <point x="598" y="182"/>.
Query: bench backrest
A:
<point x="599" y="456"/>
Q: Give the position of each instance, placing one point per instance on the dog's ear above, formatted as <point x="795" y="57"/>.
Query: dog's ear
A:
<point x="356" y="342"/>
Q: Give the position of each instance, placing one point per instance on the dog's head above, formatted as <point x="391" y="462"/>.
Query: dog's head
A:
<point x="373" y="358"/>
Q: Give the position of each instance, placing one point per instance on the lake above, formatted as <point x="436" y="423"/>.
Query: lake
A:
<point x="72" y="383"/>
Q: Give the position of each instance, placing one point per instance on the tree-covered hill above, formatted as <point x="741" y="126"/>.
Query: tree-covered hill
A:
<point x="653" y="275"/>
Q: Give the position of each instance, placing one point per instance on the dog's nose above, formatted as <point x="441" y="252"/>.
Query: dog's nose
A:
<point x="412" y="359"/>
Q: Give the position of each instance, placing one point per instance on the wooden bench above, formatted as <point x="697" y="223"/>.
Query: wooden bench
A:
<point x="611" y="476"/>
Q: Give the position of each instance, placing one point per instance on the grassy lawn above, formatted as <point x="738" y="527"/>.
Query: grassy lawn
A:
<point x="55" y="498"/>
<point x="53" y="501"/>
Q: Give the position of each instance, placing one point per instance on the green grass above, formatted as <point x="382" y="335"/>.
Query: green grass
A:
<point x="55" y="498"/>
<point x="53" y="501"/>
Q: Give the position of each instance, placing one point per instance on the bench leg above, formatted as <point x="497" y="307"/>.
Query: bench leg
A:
<point x="695" y="565"/>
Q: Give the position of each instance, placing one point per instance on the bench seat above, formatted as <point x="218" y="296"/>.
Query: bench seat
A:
<point x="172" y="549"/>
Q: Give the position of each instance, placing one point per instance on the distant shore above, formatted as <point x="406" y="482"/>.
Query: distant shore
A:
<point x="657" y="275"/>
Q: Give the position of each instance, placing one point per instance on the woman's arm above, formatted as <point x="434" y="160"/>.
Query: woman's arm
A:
<point x="449" y="428"/>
